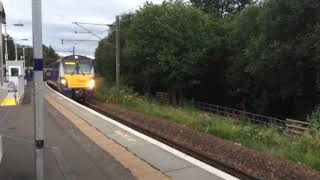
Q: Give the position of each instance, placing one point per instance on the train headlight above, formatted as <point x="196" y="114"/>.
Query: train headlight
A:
<point x="91" y="84"/>
<point x="64" y="82"/>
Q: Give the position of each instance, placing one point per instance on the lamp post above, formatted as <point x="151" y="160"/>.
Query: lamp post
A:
<point x="16" y="46"/>
<point x="23" y="57"/>
<point x="24" y="53"/>
<point x="6" y="57"/>
<point x="23" y="50"/>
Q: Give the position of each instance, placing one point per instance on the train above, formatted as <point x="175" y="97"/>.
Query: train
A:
<point x="72" y="76"/>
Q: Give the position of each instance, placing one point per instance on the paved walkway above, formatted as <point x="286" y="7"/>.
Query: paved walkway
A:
<point x="69" y="154"/>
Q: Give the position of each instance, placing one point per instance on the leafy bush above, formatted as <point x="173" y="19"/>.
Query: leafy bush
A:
<point x="314" y="117"/>
<point x="107" y="92"/>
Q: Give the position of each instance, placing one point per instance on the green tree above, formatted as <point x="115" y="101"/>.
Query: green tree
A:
<point x="221" y="7"/>
<point x="272" y="63"/>
<point x="11" y="49"/>
<point x="106" y="53"/>
<point x="49" y="55"/>
<point x="171" y="50"/>
<point x="29" y="56"/>
<point x="263" y="57"/>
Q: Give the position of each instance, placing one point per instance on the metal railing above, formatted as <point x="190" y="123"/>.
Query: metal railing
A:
<point x="238" y="114"/>
<point x="293" y="127"/>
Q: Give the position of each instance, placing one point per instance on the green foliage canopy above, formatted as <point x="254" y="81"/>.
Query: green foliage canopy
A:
<point x="221" y="7"/>
<point x="261" y="57"/>
<point x="171" y="48"/>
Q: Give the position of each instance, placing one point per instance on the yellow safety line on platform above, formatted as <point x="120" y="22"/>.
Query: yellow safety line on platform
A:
<point x="139" y="168"/>
<point x="9" y="102"/>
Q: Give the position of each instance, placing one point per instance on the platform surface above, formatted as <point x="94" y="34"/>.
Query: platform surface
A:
<point x="68" y="154"/>
<point x="82" y="144"/>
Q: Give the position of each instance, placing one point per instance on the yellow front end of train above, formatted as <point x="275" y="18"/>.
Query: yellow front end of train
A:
<point x="73" y="76"/>
<point x="79" y="81"/>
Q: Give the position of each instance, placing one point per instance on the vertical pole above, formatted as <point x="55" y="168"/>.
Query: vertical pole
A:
<point x="73" y="50"/>
<point x="1" y="54"/>
<point x="38" y="91"/>
<point x="16" y="50"/>
<point x="24" y="53"/>
<point x="118" y="57"/>
<point x="6" y="57"/>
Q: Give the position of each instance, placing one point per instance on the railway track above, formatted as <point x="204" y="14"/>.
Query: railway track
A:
<point x="235" y="160"/>
<point x="221" y="166"/>
<point x="180" y="147"/>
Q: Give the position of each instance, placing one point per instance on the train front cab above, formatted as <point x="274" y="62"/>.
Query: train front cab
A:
<point x="77" y="78"/>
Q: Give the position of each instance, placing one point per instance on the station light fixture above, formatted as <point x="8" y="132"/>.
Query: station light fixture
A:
<point x="18" y="25"/>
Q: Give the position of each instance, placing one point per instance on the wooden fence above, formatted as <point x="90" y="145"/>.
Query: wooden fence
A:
<point x="297" y="127"/>
<point x="162" y="97"/>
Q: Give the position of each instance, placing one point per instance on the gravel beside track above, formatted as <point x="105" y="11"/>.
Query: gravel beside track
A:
<point x="222" y="154"/>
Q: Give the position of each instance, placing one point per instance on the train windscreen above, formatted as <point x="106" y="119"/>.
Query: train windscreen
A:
<point x="77" y="68"/>
<point x="85" y="68"/>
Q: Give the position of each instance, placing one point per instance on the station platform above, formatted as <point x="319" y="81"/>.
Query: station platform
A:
<point x="83" y="144"/>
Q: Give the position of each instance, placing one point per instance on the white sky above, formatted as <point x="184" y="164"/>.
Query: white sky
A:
<point x="58" y="16"/>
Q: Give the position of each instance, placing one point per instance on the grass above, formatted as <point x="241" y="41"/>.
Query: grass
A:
<point x="304" y="149"/>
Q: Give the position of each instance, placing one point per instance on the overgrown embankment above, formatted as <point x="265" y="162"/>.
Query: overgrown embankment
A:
<point x="257" y="55"/>
<point x="303" y="150"/>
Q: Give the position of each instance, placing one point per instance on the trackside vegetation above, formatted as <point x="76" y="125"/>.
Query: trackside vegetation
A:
<point x="259" y="56"/>
<point x="301" y="149"/>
